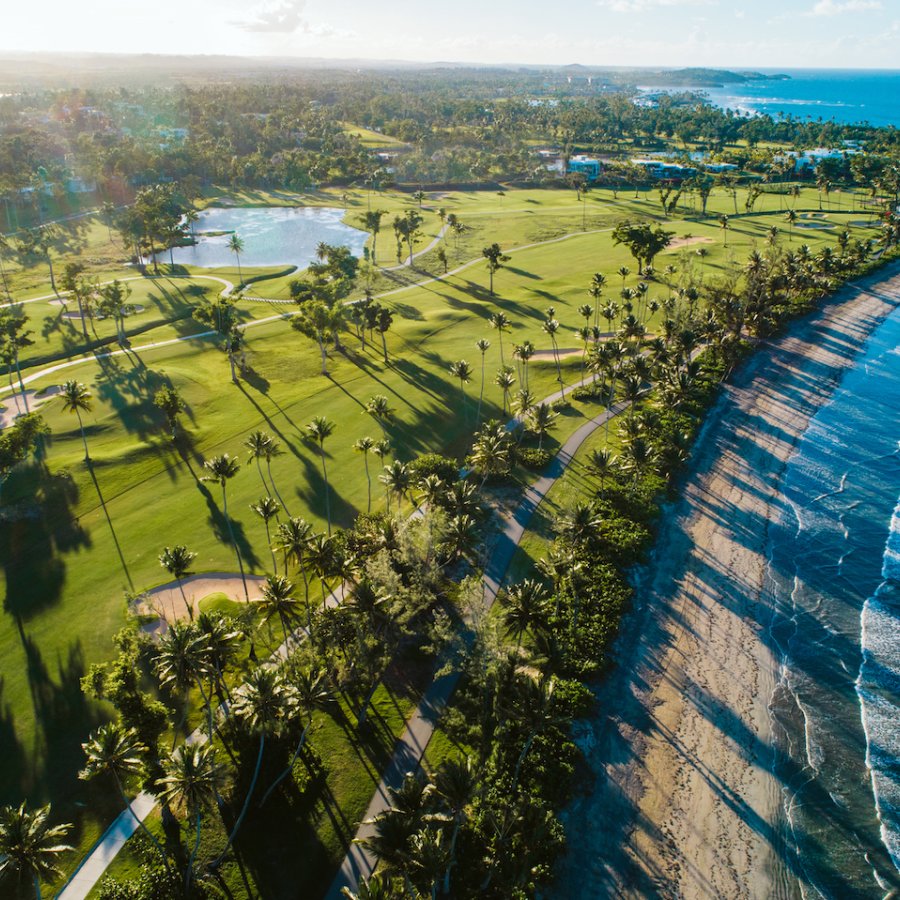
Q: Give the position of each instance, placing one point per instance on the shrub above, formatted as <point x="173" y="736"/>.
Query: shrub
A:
<point x="434" y="464"/>
<point x="533" y="458"/>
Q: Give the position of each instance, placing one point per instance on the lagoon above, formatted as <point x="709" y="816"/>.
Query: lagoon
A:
<point x="272" y="236"/>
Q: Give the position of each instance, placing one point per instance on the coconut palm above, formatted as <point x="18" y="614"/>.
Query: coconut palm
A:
<point x="375" y="887"/>
<point x="221" y="470"/>
<point x="455" y="781"/>
<point x="463" y="371"/>
<point x="273" y="450"/>
<point x="320" y="554"/>
<point x="182" y="660"/>
<point x="578" y="523"/>
<point x="319" y="430"/>
<point x="429" y="858"/>
<point x="310" y="692"/>
<point x="257" y="444"/>
<point x="551" y="327"/>
<point x="500" y="323"/>
<point x="504" y="380"/>
<point x="292" y="539"/>
<point x="601" y="463"/>
<point x="191" y="781"/>
<point x="483" y="344"/>
<point x="380" y="410"/>
<point x="177" y="562"/>
<point x="76" y="398"/>
<point x="30" y="846"/>
<point x="791" y="218"/>
<point x="540" y="420"/>
<point x="397" y="480"/>
<point x="236" y="246"/>
<point x="260" y="704"/>
<point x="115" y="751"/>
<point x="278" y="599"/>
<point x="267" y="508"/>
<point x="223" y="642"/>
<point x="364" y="445"/>
<point x="524" y="606"/>
<point x="724" y="225"/>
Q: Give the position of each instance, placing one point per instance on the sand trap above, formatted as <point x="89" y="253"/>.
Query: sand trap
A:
<point x="166" y="603"/>
<point x="687" y="241"/>
<point x="13" y="407"/>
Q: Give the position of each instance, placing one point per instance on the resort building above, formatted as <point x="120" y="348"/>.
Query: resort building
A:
<point x="585" y="165"/>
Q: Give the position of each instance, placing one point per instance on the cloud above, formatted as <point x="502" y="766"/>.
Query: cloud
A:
<point x="836" y="7"/>
<point x="635" y="6"/>
<point x="283" y="17"/>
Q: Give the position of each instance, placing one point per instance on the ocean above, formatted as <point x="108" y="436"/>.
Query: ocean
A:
<point x="834" y="583"/>
<point x="846" y="96"/>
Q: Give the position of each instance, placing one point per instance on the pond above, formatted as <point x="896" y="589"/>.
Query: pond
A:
<point x="272" y="236"/>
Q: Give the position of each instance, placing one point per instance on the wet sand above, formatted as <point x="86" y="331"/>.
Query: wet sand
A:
<point x="684" y="803"/>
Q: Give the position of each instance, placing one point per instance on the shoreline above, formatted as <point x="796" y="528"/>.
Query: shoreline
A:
<point x="684" y="801"/>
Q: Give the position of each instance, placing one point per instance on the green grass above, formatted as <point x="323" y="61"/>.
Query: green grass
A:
<point x="96" y="532"/>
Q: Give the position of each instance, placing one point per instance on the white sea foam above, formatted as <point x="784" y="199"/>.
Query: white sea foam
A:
<point x="878" y="687"/>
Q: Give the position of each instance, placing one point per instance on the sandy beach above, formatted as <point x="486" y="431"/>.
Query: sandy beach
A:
<point x="683" y="802"/>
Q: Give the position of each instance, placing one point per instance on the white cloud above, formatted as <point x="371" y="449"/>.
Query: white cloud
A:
<point x="836" y="7"/>
<point x="636" y="6"/>
<point x="282" y="17"/>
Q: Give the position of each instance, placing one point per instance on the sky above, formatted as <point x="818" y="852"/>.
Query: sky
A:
<point x="715" y="33"/>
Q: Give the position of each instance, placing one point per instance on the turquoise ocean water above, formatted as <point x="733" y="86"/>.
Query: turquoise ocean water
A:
<point x="846" y="96"/>
<point x="834" y="580"/>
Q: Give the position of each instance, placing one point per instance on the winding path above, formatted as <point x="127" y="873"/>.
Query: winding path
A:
<point x="407" y="757"/>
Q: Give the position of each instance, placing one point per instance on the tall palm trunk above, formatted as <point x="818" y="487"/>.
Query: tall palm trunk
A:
<point x="243" y="813"/>
<point x="141" y="824"/>
<point x="234" y="543"/>
<point x="368" y="482"/>
<point x="290" y="766"/>
<point x="275" y="487"/>
<point x="87" y="456"/>
<point x="327" y="489"/>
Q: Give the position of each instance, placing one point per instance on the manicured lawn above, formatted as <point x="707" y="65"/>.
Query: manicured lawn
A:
<point x="96" y="532"/>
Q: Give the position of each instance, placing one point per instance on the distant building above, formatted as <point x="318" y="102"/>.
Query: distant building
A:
<point x="719" y="168"/>
<point x="585" y="165"/>
<point x="667" y="171"/>
<point x="809" y="159"/>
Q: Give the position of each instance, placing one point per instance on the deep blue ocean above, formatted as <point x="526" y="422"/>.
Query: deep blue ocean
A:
<point x="846" y="96"/>
<point x="834" y="582"/>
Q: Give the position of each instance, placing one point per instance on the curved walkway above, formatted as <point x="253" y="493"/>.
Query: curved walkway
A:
<point x="359" y="861"/>
<point x="101" y="855"/>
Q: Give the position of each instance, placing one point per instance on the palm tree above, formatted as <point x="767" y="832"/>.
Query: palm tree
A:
<point x="463" y="371"/>
<point x="455" y="781"/>
<point x="236" y="246"/>
<point x="524" y="606"/>
<point x="293" y="539"/>
<point x="624" y="271"/>
<point x="396" y="480"/>
<point x="483" y="344"/>
<point x="191" y="780"/>
<point x="267" y="508"/>
<point x="116" y="751"/>
<point x="76" y="398"/>
<point x="504" y="380"/>
<point x="278" y="599"/>
<point x="724" y="225"/>
<point x="177" y="562"/>
<point x="429" y="858"/>
<point x="257" y="444"/>
<point x="541" y="419"/>
<point x="791" y="218"/>
<point x="602" y="464"/>
<point x="320" y="554"/>
<point x="551" y="327"/>
<point x="319" y="430"/>
<point x="182" y="660"/>
<point x="500" y="323"/>
<point x="30" y="846"/>
<point x="221" y="470"/>
<point x="310" y="692"/>
<point x="579" y="523"/>
<point x="378" y="407"/>
<point x="260" y="704"/>
<point x="364" y="445"/>
<point x="375" y="887"/>
<point x="273" y="449"/>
